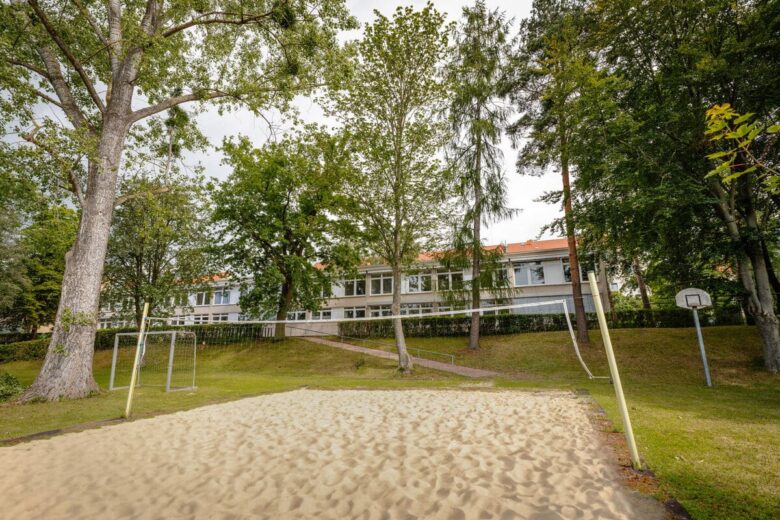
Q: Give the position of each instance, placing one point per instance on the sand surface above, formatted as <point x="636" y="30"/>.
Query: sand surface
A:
<point x="339" y="454"/>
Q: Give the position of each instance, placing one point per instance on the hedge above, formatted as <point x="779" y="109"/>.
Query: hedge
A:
<point x="24" y="350"/>
<point x="515" y="323"/>
<point x="14" y="337"/>
<point x="228" y="333"/>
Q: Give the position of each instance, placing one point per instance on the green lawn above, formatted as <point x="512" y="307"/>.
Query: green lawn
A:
<point x="715" y="450"/>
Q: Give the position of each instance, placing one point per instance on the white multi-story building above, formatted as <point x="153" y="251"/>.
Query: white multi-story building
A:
<point x="536" y="271"/>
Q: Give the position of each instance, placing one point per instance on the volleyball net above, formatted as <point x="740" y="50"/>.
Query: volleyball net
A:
<point x="376" y="330"/>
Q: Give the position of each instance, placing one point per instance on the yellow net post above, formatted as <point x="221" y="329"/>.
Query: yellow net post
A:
<point x="613" y="370"/>
<point x="134" y="376"/>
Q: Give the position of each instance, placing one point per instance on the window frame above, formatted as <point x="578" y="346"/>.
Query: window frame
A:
<point x="297" y="316"/>
<point x="320" y="314"/>
<point x="382" y="278"/>
<point x="220" y="293"/>
<point x="450" y="283"/>
<point x="380" y="311"/>
<point x="530" y="266"/>
<point x="206" y="298"/>
<point x="419" y="278"/>
<point x="421" y="308"/>
<point x="353" y="282"/>
<point x="354" y="310"/>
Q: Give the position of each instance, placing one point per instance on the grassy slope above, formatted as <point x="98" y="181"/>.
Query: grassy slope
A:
<point x="225" y="374"/>
<point x="715" y="450"/>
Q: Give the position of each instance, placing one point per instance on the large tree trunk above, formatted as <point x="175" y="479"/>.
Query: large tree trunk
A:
<point x="67" y="368"/>
<point x="752" y="267"/>
<point x="476" y="259"/>
<point x="404" y="360"/>
<point x="773" y="280"/>
<point x="285" y="299"/>
<point x="574" y="264"/>
<point x="640" y="281"/>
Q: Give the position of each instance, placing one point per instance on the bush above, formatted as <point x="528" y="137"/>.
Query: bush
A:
<point x="514" y="323"/>
<point x="9" y="386"/>
<point x="24" y="350"/>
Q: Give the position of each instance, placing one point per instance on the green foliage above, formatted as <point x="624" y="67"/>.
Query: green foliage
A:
<point x="24" y="350"/>
<point x="389" y="95"/>
<point x="157" y="250"/>
<point x="478" y="116"/>
<point x="444" y="326"/>
<point x="741" y="133"/>
<point x="44" y="243"/>
<point x="9" y="386"/>
<point x="623" y="302"/>
<point x="642" y="189"/>
<point x="229" y="53"/>
<point x="278" y="216"/>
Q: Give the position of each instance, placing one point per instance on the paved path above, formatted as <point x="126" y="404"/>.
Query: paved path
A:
<point x="436" y="365"/>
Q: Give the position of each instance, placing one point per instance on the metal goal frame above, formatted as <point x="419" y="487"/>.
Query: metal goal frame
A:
<point x="171" y="353"/>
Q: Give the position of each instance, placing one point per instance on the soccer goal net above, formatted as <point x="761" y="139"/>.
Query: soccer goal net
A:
<point x="429" y="334"/>
<point x="167" y="359"/>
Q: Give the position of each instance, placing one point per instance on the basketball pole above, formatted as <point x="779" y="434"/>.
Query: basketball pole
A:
<point x="134" y="375"/>
<point x="613" y="370"/>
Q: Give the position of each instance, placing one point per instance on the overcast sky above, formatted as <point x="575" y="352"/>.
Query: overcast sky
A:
<point x="522" y="190"/>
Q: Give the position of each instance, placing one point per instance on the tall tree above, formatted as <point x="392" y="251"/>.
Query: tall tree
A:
<point x="389" y="98"/>
<point x="157" y="250"/>
<point x="679" y="58"/>
<point x="277" y="217"/>
<point x="16" y="201"/>
<point x="44" y="244"/>
<point x="109" y="70"/>
<point x="549" y="64"/>
<point x="478" y="116"/>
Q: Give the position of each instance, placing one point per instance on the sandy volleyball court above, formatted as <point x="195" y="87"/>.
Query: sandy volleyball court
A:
<point x="338" y="454"/>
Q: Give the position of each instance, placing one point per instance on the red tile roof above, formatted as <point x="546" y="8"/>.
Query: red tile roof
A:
<point x="533" y="246"/>
<point x="529" y="246"/>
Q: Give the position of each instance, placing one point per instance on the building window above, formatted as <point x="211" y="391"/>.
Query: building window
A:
<point x="200" y="318"/>
<point x="416" y="283"/>
<point x="377" y="311"/>
<point x="355" y="312"/>
<point x="529" y="273"/>
<point x="500" y="277"/>
<point x="178" y="320"/>
<point x="411" y="309"/>
<point x="219" y="317"/>
<point x="296" y="316"/>
<point x="567" y="271"/>
<point x="382" y="283"/>
<point x="203" y="298"/>
<point x="355" y="287"/>
<point x="323" y="314"/>
<point x="222" y="296"/>
<point x="104" y="324"/>
<point x="450" y="281"/>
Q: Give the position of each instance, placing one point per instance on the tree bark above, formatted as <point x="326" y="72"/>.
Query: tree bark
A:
<point x="404" y="360"/>
<point x="773" y="280"/>
<point x="285" y="299"/>
<point x="640" y="281"/>
<point x="574" y="264"/>
<point x="752" y="268"/>
<point x="476" y="254"/>
<point x="67" y="368"/>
